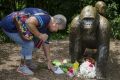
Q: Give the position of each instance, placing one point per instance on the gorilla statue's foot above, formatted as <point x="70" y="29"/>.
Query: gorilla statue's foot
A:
<point x="99" y="75"/>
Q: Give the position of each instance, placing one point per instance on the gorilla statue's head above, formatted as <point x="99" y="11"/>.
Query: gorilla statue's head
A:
<point x="89" y="18"/>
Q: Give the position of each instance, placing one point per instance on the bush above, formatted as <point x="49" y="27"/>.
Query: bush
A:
<point x="115" y="28"/>
<point x="114" y="17"/>
<point x="69" y="8"/>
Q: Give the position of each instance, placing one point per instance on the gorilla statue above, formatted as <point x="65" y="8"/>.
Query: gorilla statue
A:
<point x="90" y="30"/>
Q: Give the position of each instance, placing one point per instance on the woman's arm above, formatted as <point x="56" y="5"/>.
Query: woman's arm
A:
<point x="32" y="26"/>
<point x="46" y="48"/>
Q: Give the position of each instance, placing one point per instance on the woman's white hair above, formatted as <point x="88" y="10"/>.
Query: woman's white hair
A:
<point x="60" y="20"/>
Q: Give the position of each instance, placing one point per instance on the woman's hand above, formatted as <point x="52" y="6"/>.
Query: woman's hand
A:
<point x="49" y="65"/>
<point x="43" y="37"/>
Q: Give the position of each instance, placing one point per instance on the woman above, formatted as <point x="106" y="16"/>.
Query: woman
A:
<point x="38" y="24"/>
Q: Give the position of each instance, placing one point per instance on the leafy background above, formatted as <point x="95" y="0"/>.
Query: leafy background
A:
<point x="69" y="8"/>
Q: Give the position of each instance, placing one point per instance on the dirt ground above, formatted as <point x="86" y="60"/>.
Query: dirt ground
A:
<point x="10" y="60"/>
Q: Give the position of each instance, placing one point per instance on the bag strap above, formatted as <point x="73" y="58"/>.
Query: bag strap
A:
<point x="39" y="18"/>
<point x="39" y="14"/>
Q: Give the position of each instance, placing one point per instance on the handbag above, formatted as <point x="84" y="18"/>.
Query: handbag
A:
<point x="20" y="22"/>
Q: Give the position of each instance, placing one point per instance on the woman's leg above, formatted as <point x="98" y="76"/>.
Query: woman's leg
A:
<point x="26" y="53"/>
<point x="27" y="46"/>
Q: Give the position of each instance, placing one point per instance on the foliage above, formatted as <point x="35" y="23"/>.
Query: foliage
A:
<point x="69" y="8"/>
<point x="114" y="18"/>
<point x="3" y="37"/>
<point x="116" y="28"/>
<point x="58" y="36"/>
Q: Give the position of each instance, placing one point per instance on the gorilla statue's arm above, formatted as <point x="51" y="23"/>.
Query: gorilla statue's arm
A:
<point x="73" y="38"/>
<point x="103" y="48"/>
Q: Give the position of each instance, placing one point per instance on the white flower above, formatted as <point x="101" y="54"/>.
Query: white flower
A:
<point x="87" y="69"/>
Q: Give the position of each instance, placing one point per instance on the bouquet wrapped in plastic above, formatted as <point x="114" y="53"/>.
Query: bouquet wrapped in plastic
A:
<point x="87" y="69"/>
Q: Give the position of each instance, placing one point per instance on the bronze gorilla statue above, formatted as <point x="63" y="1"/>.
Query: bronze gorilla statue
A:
<point x="90" y="30"/>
